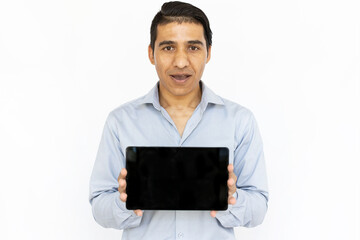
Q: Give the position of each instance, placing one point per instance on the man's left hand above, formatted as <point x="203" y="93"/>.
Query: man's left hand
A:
<point x="231" y="186"/>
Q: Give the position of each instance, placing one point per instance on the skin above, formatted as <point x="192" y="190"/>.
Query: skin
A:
<point x="180" y="49"/>
<point x="179" y="57"/>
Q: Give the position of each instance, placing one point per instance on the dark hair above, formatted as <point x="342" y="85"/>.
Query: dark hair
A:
<point x="180" y="12"/>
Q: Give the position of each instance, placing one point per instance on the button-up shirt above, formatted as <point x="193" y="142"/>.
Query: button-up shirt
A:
<point x="216" y="122"/>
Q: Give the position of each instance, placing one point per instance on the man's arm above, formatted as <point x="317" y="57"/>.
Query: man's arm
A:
<point x="249" y="167"/>
<point x="108" y="210"/>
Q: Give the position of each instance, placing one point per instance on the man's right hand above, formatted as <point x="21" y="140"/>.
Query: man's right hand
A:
<point x="122" y="189"/>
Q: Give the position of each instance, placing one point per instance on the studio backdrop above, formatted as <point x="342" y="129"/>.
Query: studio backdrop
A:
<point x="64" y="65"/>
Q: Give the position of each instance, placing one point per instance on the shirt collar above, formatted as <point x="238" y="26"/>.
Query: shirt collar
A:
<point x="208" y="96"/>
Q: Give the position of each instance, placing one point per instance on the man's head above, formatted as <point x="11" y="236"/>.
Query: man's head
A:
<point x="180" y="12"/>
<point x="180" y="48"/>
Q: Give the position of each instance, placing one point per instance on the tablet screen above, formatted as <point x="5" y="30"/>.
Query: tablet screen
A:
<point x="177" y="178"/>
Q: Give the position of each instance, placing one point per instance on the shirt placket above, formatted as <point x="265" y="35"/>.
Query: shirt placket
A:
<point x="180" y="217"/>
<point x="180" y="228"/>
<point x="171" y="128"/>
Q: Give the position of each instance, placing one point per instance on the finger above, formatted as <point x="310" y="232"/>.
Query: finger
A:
<point x="138" y="212"/>
<point x="230" y="168"/>
<point x="231" y="171"/>
<point x="122" y="174"/>
<point x="231" y="186"/>
<point x="232" y="200"/>
<point x="213" y="213"/>
<point x="123" y="197"/>
<point x="122" y="185"/>
<point x="231" y="182"/>
<point x="233" y="176"/>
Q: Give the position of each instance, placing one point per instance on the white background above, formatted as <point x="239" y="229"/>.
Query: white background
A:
<point x="64" y="65"/>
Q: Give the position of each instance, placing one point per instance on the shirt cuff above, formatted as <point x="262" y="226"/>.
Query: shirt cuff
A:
<point x="223" y="215"/>
<point x="122" y="206"/>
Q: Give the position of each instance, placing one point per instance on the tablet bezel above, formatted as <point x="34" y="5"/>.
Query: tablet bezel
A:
<point x="199" y="197"/>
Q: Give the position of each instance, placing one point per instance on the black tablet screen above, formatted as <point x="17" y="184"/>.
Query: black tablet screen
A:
<point x="177" y="178"/>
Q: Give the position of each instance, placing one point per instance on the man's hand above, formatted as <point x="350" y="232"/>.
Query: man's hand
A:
<point x="231" y="187"/>
<point x="122" y="189"/>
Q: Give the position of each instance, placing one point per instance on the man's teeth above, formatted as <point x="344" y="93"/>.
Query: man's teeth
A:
<point x="180" y="77"/>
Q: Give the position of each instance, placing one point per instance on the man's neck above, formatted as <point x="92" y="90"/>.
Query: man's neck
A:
<point x="168" y="100"/>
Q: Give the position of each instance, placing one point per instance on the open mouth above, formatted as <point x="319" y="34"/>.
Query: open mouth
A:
<point x="180" y="77"/>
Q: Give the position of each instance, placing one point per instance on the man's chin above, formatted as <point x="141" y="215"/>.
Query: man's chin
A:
<point x="179" y="89"/>
<point x="180" y="81"/>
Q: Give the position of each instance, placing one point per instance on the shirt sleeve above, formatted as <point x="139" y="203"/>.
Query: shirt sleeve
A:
<point x="107" y="208"/>
<point x="249" y="167"/>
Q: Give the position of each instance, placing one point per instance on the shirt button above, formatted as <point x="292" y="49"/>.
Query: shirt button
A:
<point x="180" y="235"/>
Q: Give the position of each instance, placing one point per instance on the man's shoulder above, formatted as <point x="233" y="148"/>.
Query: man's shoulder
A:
<point x="231" y="107"/>
<point x="236" y="109"/>
<point x="127" y="108"/>
<point x="243" y="117"/>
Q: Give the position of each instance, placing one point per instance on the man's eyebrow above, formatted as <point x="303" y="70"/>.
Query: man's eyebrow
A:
<point x="166" y="43"/>
<point x="169" y="42"/>
<point x="196" y="42"/>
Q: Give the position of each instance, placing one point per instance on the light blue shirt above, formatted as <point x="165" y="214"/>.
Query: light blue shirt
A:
<point x="216" y="122"/>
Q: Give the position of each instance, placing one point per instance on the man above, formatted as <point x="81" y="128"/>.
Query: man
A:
<point x="180" y="111"/>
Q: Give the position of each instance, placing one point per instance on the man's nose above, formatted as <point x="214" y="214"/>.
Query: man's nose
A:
<point x="181" y="59"/>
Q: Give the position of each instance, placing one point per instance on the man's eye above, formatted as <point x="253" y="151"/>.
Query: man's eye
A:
<point x="168" y="48"/>
<point x="193" y="48"/>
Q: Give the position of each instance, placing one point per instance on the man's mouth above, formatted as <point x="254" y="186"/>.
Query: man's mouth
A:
<point x="180" y="77"/>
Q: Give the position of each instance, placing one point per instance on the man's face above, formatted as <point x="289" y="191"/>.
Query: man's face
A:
<point x="180" y="57"/>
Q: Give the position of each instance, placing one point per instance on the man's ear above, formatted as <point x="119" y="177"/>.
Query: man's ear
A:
<point x="208" y="54"/>
<point x="151" y="55"/>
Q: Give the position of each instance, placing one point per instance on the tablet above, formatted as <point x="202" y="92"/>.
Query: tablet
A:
<point x="177" y="178"/>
